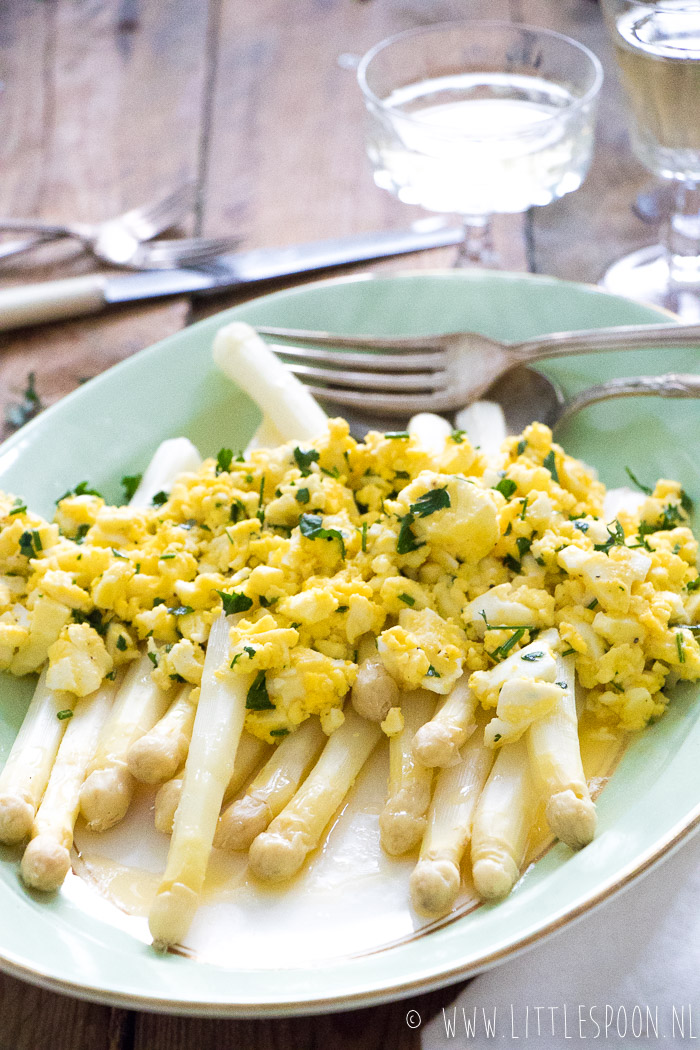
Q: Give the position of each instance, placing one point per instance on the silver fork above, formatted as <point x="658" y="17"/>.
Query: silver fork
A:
<point x="118" y="235"/>
<point x="399" y="376"/>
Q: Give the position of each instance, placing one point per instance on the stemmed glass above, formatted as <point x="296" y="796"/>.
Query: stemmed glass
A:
<point x="479" y="118"/>
<point x="658" y="52"/>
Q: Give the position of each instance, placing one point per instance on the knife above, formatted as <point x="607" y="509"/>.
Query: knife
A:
<point x="80" y="296"/>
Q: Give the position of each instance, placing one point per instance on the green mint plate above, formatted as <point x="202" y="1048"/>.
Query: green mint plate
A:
<point x="323" y="950"/>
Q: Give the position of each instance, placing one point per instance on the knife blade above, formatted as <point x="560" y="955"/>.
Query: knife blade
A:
<point x="81" y="296"/>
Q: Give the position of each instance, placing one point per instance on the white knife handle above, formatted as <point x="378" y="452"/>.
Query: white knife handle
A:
<point x="50" y="301"/>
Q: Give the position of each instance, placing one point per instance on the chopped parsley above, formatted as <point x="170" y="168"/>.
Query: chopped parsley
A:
<point x="160" y="498"/>
<point x="311" y="526"/>
<point x="531" y="657"/>
<point x="304" y="459"/>
<point x="512" y="563"/>
<point x="694" y="585"/>
<point x="430" y="502"/>
<point x="181" y="610"/>
<point x="111" y="676"/>
<point x="235" y="602"/>
<point x="635" y="481"/>
<point x="679" y="647"/>
<point x="496" y="738"/>
<point x="238" y="511"/>
<point x="506" y="487"/>
<point x="568" y="652"/>
<point x="267" y="602"/>
<point x="65" y="713"/>
<point x="257" y="698"/>
<point x="401" y="474"/>
<point x="18" y="507"/>
<point x="582" y="526"/>
<point x="19" y="413"/>
<point x="407" y="599"/>
<point x="260" y="513"/>
<point x="364" y="545"/>
<point x="524" y="503"/>
<point x="458" y="436"/>
<point x="407" y="542"/>
<point x="81" y="489"/>
<point x="118" y="554"/>
<point x="397" y="435"/>
<point x="686" y="502"/>
<point x="130" y="482"/>
<point x="302" y="496"/>
<point x="224" y="459"/>
<point x="523" y="544"/>
<point x="432" y="673"/>
<point x="522" y="445"/>
<point x="550" y="463"/>
<point x="279" y="732"/>
<point x="248" y="649"/>
<point x="121" y="643"/>
<point x="592" y="605"/>
<point x="616" y="537"/>
<point x="153" y="658"/>
<point x="30" y="543"/>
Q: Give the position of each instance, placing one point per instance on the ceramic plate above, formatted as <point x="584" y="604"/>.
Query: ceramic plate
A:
<point x="344" y="937"/>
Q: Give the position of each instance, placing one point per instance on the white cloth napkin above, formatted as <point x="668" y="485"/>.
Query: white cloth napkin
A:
<point x="633" y="965"/>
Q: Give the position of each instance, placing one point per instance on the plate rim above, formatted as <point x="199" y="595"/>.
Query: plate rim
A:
<point x="397" y="988"/>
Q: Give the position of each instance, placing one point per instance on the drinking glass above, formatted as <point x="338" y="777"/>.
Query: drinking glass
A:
<point x="479" y="118"/>
<point x="658" y="53"/>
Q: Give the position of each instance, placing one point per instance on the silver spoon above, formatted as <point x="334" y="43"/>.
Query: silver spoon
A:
<point x="526" y="395"/>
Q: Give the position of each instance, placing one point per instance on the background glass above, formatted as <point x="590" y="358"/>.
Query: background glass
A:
<point x="657" y="46"/>
<point x="479" y="118"/>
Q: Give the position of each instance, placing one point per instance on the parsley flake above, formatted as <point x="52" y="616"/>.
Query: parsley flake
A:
<point x="635" y="481"/>
<point x="430" y="502"/>
<point x="506" y="487"/>
<point x="304" y="459"/>
<point x="550" y="463"/>
<point x="311" y="526"/>
<point x="224" y="460"/>
<point x="397" y="435"/>
<point x="432" y="673"/>
<point x="65" y="713"/>
<point x="257" y="698"/>
<point x="130" y="482"/>
<point x="160" y="498"/>
<point x="407" y="599"/>
<point x="407" y="542"/>
<point x="302" y="496"/>
<point x="235" y="602"/>
<point x="81" y="489"/>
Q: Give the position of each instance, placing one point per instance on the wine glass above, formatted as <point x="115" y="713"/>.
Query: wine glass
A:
<point x="658" y="53"/>
<point x="479" y="118"/>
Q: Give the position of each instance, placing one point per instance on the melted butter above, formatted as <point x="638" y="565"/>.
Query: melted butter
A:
<point x="131" y="889"/>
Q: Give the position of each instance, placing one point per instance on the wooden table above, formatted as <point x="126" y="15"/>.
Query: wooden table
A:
<point x="109" y="103"/>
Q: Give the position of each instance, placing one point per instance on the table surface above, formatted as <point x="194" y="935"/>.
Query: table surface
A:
<point x="109" y="103"/>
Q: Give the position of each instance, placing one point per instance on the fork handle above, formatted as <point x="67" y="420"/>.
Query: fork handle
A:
<point x="597" y="340"/>
<point x="673" y="384"/>
<point x="51" y="301"/>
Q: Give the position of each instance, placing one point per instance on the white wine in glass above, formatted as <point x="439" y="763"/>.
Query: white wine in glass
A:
<point x="479" y="118"/>
<point x="657" y="45"/>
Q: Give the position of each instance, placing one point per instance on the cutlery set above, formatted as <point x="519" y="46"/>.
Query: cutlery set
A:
<point x="390" y="376"/>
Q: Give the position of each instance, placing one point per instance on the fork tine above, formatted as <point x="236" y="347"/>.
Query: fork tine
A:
<point x="389" y="382"/>
<point x="357" y="342"/>
<point x="185" y="251"/>
<point x="384" y="362"/>
<point x="150" y="219"/>
<point x="385" y="404"/>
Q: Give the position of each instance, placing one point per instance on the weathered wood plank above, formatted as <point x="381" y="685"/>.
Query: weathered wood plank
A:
<point x="34" y="1019"/>
<point x="104" y="112"/>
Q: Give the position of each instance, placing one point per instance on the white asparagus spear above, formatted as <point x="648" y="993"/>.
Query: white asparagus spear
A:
<point x="438" y="742"/>
<point x="555" y="756"/>
<point x="26" y="772"/>
<point x="272" y="788"/>
<point x="436" y="879"/>
<point x="210" y="762"/>
<point x="109" y="786"/>
<point x="46" y="859"/>
<point x="374" y="691"/>
<point x="279" y="852"/>
<point x="251" y="752"/>
<point x="158" y="754"/>
<point x="502" y="823"/>
<point x="485" y="425"/>
<point x="403" y="819"/>
<point x="172" y="457"/>
<point x="430" y="430"/>
<point x="241" y="354"/>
